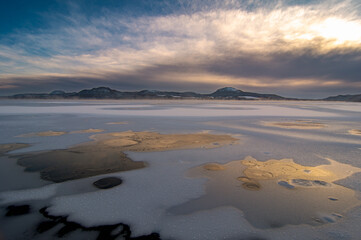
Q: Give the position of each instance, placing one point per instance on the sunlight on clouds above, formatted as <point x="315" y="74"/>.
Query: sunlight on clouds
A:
<point x="339" y="29"/>
<point x="202" y="35"/>
<point x="204" y="77"/>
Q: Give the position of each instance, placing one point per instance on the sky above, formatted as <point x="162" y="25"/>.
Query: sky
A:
<point x="308" y="48"/>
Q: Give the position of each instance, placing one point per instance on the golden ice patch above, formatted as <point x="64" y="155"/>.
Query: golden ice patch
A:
<point x="275" y="193"/>
<point x="355" y="132"/>
<point x="299" y="124"/>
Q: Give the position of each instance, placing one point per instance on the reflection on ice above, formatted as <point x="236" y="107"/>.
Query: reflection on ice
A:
<point x="355" y="132"/>
<point x="299" y="124"/>
<point x="282" y="192"/>
<point x="317" y="137"/>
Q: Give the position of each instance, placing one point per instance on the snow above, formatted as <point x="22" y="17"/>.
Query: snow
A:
<point x="229" y="89"/>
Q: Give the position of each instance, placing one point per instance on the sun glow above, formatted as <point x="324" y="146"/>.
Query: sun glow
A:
<point x="340" y="30"/>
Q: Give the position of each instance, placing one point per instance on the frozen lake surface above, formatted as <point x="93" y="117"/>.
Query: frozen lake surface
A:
<point x="304" y="197"/>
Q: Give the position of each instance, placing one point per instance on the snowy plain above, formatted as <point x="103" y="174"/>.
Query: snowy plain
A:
<point x="143" y="200"/>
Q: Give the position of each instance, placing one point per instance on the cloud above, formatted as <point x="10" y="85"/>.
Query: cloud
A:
<point x="290" y="47"/>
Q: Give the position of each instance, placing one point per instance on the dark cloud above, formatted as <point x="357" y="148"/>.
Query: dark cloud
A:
<point x="335" y="65"/>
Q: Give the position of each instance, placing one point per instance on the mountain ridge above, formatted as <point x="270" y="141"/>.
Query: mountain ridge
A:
<point x="345" y="98"/>
<point x="225" y="93"/>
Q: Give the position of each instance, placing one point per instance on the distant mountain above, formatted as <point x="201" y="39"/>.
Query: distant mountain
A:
<point x="100" y="92"/>
<point x="222" y="93"/>
<point x="346" y="98"/>
<point x="233" y="93"/>
<point x="108" y="93"/>
<point x="57" y="92"/>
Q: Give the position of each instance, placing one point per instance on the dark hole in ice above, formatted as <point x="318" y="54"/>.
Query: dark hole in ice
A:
<point x="68" y="228"/>
<point x="17" y="210"/>
<point x="107" y="182"/>
<point x="328" y="219"/>
<point x="302" y="182"/>
<point x="251" y="186"/>
<point x="310" y="183"/>
<point x="337" y="215"/>
<point x="286" y="184"/>
<point x="45" y="226"/>
<point x="111" y="232"/>
<point x="321" y="183"/>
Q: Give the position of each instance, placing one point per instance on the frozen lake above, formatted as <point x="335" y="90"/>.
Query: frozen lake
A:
<point x="293" y="171"/>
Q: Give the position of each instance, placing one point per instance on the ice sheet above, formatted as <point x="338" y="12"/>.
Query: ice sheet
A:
<point x="145" y="195"/>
